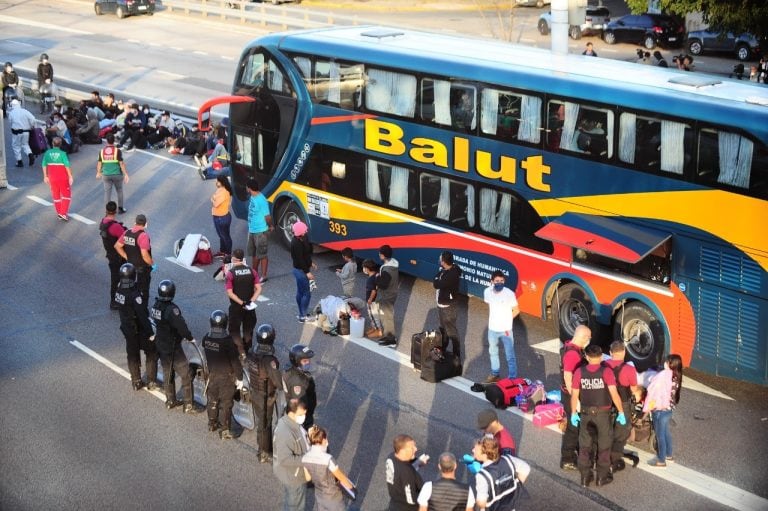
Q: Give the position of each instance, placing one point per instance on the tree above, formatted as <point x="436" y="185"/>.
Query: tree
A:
<point x="728" y="15"/>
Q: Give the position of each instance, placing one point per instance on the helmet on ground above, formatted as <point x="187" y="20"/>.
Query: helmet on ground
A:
<point x="299" y="228"/>
<point x="127" y="275"/>
<point x="298" y="353"/>
<point x="219" y="319"/>
<point x="166" y="290"/>
<point x="265" y="334"/>
<point x="43" y="57"/>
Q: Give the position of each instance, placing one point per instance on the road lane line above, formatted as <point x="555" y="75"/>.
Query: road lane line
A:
<point x="198" y="52"/>
<point x="225" y="57"/>
<point x="689" y="479"/>
<point x="553" y="346"/>
<point x="166" y="158"/>
<point x="193" y="269"/>
<point x="174" y="76"/>
<point x="80" y="218"/>
<point x="37" y="199"/>
<point x="91" y="57"/>
<point x="38" y="24"/>
<point x="19" y="42"/>
<point x="11" y="187"/>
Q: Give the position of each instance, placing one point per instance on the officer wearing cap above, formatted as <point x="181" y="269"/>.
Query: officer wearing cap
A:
<point x="136" y="327"/>
<point x="488" y="423"/>
<point x="223" y="369"/>
<point x="264" y="374"/>
<point x="243" y="288"/>
<point x="135" y="247"/>
<point x="298" y="382"/>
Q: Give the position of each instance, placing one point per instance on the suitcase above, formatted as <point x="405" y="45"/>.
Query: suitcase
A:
<point x="434" y="371"/>
<point x="504" y="392"/>
<point x="342" y="327"/>
<point x="37" y="141"/>
<point x="421" y="344"/>
<point x="547" y="414"/>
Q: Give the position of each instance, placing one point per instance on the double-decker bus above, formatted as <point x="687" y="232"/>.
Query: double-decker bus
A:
<point x="626" y="197"/>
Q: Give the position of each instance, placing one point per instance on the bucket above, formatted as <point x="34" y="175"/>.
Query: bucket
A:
<point x="357" y="328"/>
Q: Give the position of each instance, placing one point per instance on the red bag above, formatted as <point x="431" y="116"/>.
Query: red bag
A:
<point x="203" y="257"/>
<point x="503" y="393"/>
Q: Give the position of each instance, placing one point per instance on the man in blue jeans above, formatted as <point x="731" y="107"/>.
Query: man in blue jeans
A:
<point x="502" y="309"/>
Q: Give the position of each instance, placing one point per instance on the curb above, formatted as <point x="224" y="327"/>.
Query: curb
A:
<point x="405" y="7"/>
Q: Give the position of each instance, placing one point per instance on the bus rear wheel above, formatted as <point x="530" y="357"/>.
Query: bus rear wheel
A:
<point x="289" y="214"/>
<point x="642" y="333"/>
<point x="574" y="308"/>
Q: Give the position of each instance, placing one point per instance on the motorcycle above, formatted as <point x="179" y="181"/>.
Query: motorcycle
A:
<point x="48" y="93"/>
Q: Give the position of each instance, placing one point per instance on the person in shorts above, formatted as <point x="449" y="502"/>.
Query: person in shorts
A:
<point x="259" y="227"/>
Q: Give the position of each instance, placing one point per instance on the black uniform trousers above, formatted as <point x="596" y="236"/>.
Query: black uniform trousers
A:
<point x="240" y="317"/>
<point x="602" y="422"/>
<point x="133" y="344"/>
<point x="176" y="362"/>
<point x="448" y="317"/>
<point x="143" y="278"/>
<point x="570" y="442"/>
<point x="263" y="408"/>
<point x="221" y="397"/>
<point x="621" y="434"/>
<point x="114" y="277"/>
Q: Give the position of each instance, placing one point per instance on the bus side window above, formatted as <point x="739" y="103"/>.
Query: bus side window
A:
<point x="389" y="184"/>
<point x="253" y="71"/>
<point x="449" y="104"/>
<point x="390" y="93"/>
<point x="726" y="158"/>
<point x="510" y="116"/>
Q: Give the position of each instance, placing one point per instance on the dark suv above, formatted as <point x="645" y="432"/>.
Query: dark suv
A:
<point x="123" y="8"/>
<point x="744" y="46"/>
<point x="646" y="29"/>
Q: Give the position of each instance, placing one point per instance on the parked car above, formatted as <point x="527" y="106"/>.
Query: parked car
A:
<point x="646" y="29"/>
<point x="123" y="8"/>
<point x="595" y="20"/>
<point x="537" y="3"/>
<point x="744" y="46"/>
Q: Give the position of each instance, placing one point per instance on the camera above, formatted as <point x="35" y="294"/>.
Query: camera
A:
<point x="639" y="53"/>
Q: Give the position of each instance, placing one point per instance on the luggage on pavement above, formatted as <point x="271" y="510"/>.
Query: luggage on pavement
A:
<point x="421" y="344"/>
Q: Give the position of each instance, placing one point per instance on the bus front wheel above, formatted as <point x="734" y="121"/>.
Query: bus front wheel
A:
<point x="642" y="333"/>
<point x="573" y="308"/>
<point x="290" y="213"/>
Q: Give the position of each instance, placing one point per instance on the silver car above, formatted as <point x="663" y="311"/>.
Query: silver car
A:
<point x="595" y="19"/>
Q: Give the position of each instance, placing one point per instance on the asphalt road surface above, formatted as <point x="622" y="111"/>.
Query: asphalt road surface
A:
<point x="74" y="436"/>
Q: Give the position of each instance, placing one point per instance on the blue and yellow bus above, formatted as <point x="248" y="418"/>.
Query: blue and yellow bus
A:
<point x="627" y="197"/>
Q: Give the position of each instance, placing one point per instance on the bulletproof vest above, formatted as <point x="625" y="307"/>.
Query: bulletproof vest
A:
<point x="242" y="282"/>
<point x="219" y="350"/>
<point x="625" y="393"/>
<point x="108" y="240"/>
<point x="502" y="484"/>
<point x="132" y="250"/>
<point x="125" y="298"/>
<point x="166" y="337"/>
<point x="448" y="495"/>
<point x="258" y="371"/>
<point x="300" y="385"/>
<point x="563" y="350"/>
<point x="594" y="390"/>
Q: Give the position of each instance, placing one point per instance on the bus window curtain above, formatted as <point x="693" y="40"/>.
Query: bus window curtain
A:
<point x="627" y="137"/>
<point x="372" y="182"/>
<point x="495" y="219"/>
<point x="444" y="203"/>
<point x="398" y="188"/>
<point x="609" y="130"/>
<point x="530" y="119"/>
<point x="305" y="67"/>
<point x="275" y="77"/>
<point x="489" y="111"/>
<point x="389" y="92"/>
<point x="568" y="136"/>
<point x="442" y="102"/>
<point x="672" y="146"/>
<point x="735" y="159"/>
<point x="334" y="84"/>
<point x="471" y="206"/>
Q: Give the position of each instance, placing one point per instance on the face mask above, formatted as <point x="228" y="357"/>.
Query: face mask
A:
<point x="498" y="287"/>
<point x="307" y="367"/>
<point x="300" y="419"/>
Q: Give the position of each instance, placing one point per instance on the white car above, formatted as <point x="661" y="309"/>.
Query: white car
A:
<point x="596" y="18"/>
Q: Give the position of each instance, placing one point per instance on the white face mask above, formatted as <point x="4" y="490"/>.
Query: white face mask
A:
<point x="300" y="419"/>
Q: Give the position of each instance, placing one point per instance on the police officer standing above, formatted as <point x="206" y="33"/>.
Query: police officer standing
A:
<point x="135" y="325"/>
<point x="171" y="330"/>
<point x="571" y="357"/>
<point x="626" y="386"/>
<point x="135" y="247"/>
<point x="110" y="230"/>
<point x="264" y="373"/>
<point x="243" y="288"/>
<point x="223" y="369"/>
<point x="594" y="387"/>
<point x="497" y="484"/>
<point x="298" y="382"/>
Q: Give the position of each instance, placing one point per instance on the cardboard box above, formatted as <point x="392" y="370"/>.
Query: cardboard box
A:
<point x="547" y="414"/>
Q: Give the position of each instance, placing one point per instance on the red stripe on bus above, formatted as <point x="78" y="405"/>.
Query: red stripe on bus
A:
<point x="340" y="118"/>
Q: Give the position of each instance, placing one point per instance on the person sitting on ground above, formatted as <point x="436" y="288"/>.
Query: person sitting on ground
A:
<point x="219" y="166"/>
<point x="159" y="135"/>
<point x="89" y="132"/>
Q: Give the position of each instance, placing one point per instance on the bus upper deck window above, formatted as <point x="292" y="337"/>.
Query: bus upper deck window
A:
<point x="253" y="71"/>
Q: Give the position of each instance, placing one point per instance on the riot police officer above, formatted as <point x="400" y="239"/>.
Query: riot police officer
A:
<point x="171" y="330"/>
<point x="298" y="382"/>
<point x="264" y="373"/>
<point x="223" y="369"/>
<point x="243" y="288"/>
<point x="135" y="325"/>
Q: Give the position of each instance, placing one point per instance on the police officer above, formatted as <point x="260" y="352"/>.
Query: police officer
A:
<point x="110" y="230"/>
<point x="298" y="382"/>
<point x="571" y="357"/>
<point x="497" y="484"/>
<point x="223" y="369"/>
<point x="594" y="387"/>
<point x="171" y="330"/>
<point x="135" y="247"/>
<point x="264" y="373"/>
<point x="135" y="325"/>
<point x="626" y="386"/>
<point x="243" y="288"/>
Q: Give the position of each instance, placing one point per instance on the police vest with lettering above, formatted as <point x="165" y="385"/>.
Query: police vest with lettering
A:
<point x="109" y="240"/>
<point x="110" y="165"/>
<point x="501" y="477"/>
<point x="625" y="393"/>
<point x="448" y="495"/>
<point x="565" y="349"/>
<point x="594" y="390"/>
<point x="219" y="352"/>
<point x="242" y="282"/>
<point x="132" y="250"/>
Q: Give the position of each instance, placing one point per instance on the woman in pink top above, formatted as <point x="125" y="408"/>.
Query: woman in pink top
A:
<point x="661" y="399"/>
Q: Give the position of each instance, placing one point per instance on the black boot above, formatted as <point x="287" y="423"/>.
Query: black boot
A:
<point x="31" y="159"/>
<point x="152" y="385"/>
<point x="19" y="163"/>
<point x="191" y="409"/>
<point x="137" y="384"/>
<point x="586" y="479"/>
<point x="602" y="481"/>
<point x="618" y="466"/>
<point x="213" y="425"/>
<point x="632" y="457"/>
<point x="171" y="404"/>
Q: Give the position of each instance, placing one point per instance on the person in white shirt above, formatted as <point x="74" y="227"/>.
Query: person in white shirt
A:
<point x="22" y="122"/>
<point x="502" y="310"/>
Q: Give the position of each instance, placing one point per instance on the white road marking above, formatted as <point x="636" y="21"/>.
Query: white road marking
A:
<point x="177" y="48"/>
<point x="119" y="370"/>
<point x="154" y="44"/>
<point x="225" y="57"/>
<point x="37" y="199"/>
<point x="80" y="218"/>
<point x="38" y="24"/>
<point x="553" y="346"/>
<point x="19" y="42"/>
<point x="11" y="187"/>
<point x="91" y="57"/>
<point x="193" y="269"/>
<point x="134" y="41"/>
<point x="198" y="52"/>
<point x="166" y="158"/>
<point x="174" y="76"/>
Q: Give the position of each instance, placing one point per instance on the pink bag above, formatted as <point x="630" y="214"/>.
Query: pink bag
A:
<point x="544" y="415"/>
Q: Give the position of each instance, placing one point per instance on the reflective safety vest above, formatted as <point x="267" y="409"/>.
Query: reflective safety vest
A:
<point x="110" y="165"/>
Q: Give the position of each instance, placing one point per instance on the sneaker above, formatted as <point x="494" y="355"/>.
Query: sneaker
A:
<point x="301" y="319"/>
<point x="213" y="426"/>
<point x="492" y="378"/>
<point x="31" y="159"/>
<point x="655" y="462"/>
<point x="191" y="409"/>
<point x="263" y="280"/>
<point x="198" y="161"/>
<point x="137" y="385"/>
<point x="152" y="385"/>
<point x="121" y="210"/>
<point x="309" y="318"/>
<point x="265" y="458"/>
<point x="62" y="217"/>
<point x="19" y="163"/>
<point x="201" y="171"/>
<point x="388" y="341"/>
<point x="226" y="434"/>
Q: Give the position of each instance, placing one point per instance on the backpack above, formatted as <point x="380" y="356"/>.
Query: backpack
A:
<point x="504" y="392"/>
<point x="532" y="395"/>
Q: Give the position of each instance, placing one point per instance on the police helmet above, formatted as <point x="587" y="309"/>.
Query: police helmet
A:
<point x="166" y="290"/>
<point x="265" y="334"/>
<point x="127" y="275"/>
<point x="43" y="57"/>
<point x="298" y="353"/>
<point x="219" y="319"/>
